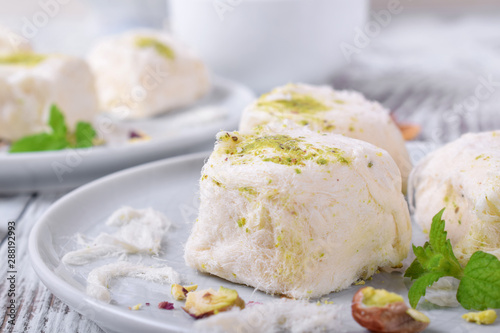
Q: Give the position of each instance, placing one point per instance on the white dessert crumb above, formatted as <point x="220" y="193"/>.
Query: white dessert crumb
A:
<point x="139" y="231"/>
<point x="278" y="316"/>
<point x="99" y="278"/>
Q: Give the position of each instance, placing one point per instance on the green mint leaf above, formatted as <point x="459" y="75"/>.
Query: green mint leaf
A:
<point x="59" y="138"/>
<point x="440" y="244"/>
<point x="437" y="254"/>
<point x="417" y="289"/>
<point x="84" y="135"/>
<point x="434" y="260"/>
<point x="415" y="270"/>
<point x="56" y="122"/>
<point x="38" y="142"/>
<point x="479" y="288"/>
<point x="424" y="254"/>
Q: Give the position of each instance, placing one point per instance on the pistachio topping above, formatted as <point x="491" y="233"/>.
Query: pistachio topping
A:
<point x="204" y="303"/>
<point x="161" y="48"/>
<point x="179" y="292"/>
<point x="22" y="59"/>
<point x="241" y="222"/>
<point x="297" y="104"/>
<point x="280" y="149"/>
<point x="248" y="190"/>
<point x="487" y="317"/>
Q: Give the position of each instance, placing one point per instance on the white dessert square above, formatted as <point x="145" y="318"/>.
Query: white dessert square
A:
<point x="322" y="109"/>
<point x="31" y="83"/>
<point x="146" y="72"/>
<point x="302" y="214"/>
<point x="464" y="178"/>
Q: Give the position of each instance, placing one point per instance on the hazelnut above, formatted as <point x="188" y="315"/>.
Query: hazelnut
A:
<point x="381" y="311"/>
<point x="204" y="303"/>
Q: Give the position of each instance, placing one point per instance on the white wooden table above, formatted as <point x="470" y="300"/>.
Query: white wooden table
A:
<point x="420" y="70"/>
<point x="37" y="309"/>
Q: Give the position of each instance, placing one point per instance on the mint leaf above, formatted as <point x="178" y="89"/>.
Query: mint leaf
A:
<point x="56" y="122"/>
<point x="439" y="243"/>
<point x="415" y="270"/>
<point x="59" y="138"/>
<point x="425" y="255"/>
<point x="38" y="142"/>
<point x="84" y="135"/>
<point x="434" y="260"/>
<point x="417" y="289"/>
<point x="479" y="288"/>
<point x="437" y="254"/>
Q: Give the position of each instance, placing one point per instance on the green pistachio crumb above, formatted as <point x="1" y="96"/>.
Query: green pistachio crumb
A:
<point x="283" y="149"/>
<point x="241" y="222"/>
<point x="322" y="161"/>
<point x="298" y="103"/>
<point x="22" y="58"/>
<point x="161" y="48"/>
<point x="248" y="190"/>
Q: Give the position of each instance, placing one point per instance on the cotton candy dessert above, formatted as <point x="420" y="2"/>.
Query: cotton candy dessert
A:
<point x="464" y="178"/>
<point x="31" y="83"/>
<point x="301" y="214"/>
<point x="143" y="73"/>
<point x="320" y="108"/>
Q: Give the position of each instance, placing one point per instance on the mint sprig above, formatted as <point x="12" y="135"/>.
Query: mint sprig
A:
<point x="59" y="136"/>
<point x="479" y="286"/>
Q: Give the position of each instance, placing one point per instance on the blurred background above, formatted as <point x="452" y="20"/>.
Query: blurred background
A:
<point x="432" y="62"/>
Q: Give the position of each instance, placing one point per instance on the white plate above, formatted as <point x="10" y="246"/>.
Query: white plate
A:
<point x="171" y="187"/>
<point x="188" y="130"/>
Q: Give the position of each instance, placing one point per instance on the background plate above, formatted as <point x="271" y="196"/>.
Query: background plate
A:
<point x="187" y="130"/>
<point x="170" y="186"/>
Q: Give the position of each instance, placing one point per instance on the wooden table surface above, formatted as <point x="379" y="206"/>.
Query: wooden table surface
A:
<point x="37" y="309"/>
<point x="433" y="84"/>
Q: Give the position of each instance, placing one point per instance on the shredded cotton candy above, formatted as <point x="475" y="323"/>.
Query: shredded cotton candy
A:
<point x="320" y="108"/>
<point x="463" y="177"/>
<point x="139" y="231"/>
<point x="302" y="214"/>
<point x="279" y="316"/>
<point x="99" y="279"/>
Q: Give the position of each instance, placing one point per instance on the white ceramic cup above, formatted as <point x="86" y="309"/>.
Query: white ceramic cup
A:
<point x="265" y="43"/>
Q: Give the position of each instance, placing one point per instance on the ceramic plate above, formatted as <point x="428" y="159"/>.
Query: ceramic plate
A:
<point x="184" y="131"/>
<point x="169" y="186"/>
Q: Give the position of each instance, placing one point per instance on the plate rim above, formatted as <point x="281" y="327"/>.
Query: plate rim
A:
<point x="28" y="156"/>
<point x="68" y="293"/>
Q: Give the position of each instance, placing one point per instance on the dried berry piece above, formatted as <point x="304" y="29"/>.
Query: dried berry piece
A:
<point x="166" y="305"/>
